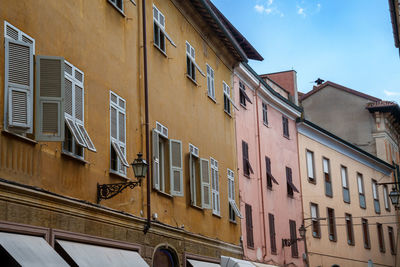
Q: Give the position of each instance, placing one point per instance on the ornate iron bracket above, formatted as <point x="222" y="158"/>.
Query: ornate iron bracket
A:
<point x="107" y="191"/>
<point x="289" y="242"/>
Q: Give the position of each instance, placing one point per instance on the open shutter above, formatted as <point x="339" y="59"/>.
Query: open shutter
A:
<point x="175" y="166"/>
<point x="205" y="184"/>
<point x="156" y="161"/>
<point x="19" y="84"/>
<point x="49" y="98"/>
<point x="120" y="153"/>
<point x="192" y="180"/>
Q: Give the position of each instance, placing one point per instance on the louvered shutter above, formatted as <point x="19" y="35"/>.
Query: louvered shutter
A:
<point x="156" y="161"/>
<point x="49" y="125"/>
<point x="192" y="180"/>
<point x="176" y="173"/>
<point x="205" y="184"/>
<point x="19" y="84"/>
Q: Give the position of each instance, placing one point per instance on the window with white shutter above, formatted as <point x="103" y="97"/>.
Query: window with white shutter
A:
<point x="227" y="99"/>
<point x="233" y="208"/>
<point x="159" y="30"/>
<point x="118" y="4"/>
<point x="50" y="91"/>
<point x="117" y="134"/>
<point x="195" y="176"/>
<point x="18" y="90"/>
<point x="205" y="184"/>
<point x="210" y="82"/>
<point x="215" y="187"/>
<point x="76" y="136"/>
<point x="310" y="166"/>
<point x="191" y="64"/>
<point x="176" y="165"/>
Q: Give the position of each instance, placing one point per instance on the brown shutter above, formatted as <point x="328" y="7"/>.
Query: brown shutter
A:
<point x="293" y="237"/>
<point x="272" y="233"/>
<point x="249" y="226"/>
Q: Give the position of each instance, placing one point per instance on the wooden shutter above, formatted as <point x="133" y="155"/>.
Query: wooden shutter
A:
<point x="175" y="166"/>
<point x="192" y="173"/>
<point x="19" y="85"/>
<point x="49" y="125"/>
<point x="293" y="237"/>
<point x="205" y="184"/>
<point x="156" y="161"/>
<point x="249" y="226"/>
<point x="245" y="156"/>
<point x="272" y="233"/>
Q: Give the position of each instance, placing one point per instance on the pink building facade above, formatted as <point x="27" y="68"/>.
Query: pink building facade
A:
<point x="268" y="171"/>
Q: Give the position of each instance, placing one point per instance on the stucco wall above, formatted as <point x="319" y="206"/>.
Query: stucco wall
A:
<point x="343" y="114"/>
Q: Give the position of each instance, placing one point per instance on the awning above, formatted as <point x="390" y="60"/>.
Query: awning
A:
<point x="233" y="262"/>
<point x="196" y="263"/>
<point x="91" y="255"/>
<point x="30" y="250"/>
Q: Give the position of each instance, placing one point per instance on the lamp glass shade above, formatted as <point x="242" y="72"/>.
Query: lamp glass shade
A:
<point x="394" y="197"/>
<point x="302" y="231"/>
<point x="139" y="167"/>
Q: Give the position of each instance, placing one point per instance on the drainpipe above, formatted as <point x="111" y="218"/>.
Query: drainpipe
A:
<point x="146" y="110"/>
<point x="260" y="169"/>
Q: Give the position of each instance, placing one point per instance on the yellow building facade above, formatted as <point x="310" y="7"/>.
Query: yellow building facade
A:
<point x="74" y="117"/>
<point x="348" y="215"/>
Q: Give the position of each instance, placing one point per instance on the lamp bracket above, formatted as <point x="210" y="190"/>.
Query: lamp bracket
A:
<point x="107" y="191"/>
<point x="290" y="242"/>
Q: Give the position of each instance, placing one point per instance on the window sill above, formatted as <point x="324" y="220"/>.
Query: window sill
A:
<point x="117" y="8"/>
<point x="196" y="207"/>
<point x="21" y="137"/>
<point x="191" y="79"/>
<point x="269" y="188"/>
<point x="212" y="99"/>
<point x="243" y="106"/>
<point x="227" y="113"/>
<point x="266" y="124"/>
<point x="133" y="2"/>
<point x="249" y="247"/>
<point x="330" y="196"/>
<point x="217" y="215"/>
<point x="117" y="174"/>
<point x="246" y="175"/>
<point x="274" y="253"/>
<point x="163" y="193"/>
<point x="347" y="202"/>
<point x="290" y="196"/>
<point x="233" y="222"/>
<point x="287" y="137"/>
<point x="71" y="156"/>
<point x="312" y="181"/>
<point x="161" y="51"/>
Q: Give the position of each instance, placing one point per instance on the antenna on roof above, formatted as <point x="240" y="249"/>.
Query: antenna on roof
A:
<point x="319" y="81"/>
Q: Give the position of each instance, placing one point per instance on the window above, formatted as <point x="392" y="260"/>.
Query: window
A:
<point x="167" y="162"/>
<point x="242" y="94"/>
<point x="18" y="90"/>
<point x="233" y="209"/>
<point x="290" y="186"/>
<point x="310" y="166"/>
<point x="265" y="113"/>
<point x="349" y="228"/>
<point x="293" y="237"/>
<point x="270" y="177"/>
<point x="386" y="197"/>
<point x="118" y="4"/>
<point x="327" y="176"/>
<point x="375" y="194"/>
<point x="215" y="187"/>
<point x="249" y="226"/>
<point x="381" y="239"/>
<point x="246" y="162"/>
<point x="159" y="30"/>
<point x="331" y="224"/>
<point x="191" y="64"/>
<point x="199" y="179"/>
<point x="272" y="234"/>
<point x="76" y="136"/>
<point x="210" y="82"/>
<point x="391" y="240"/>
<point x="365" y="229"/>
<point x="316" y="228"/>
<point x="118" y="134"/>
<point x="345" y="184"/>
<point x="361" y="194"/>
<point x="227" y="99"/>
<point x="285" y="125"/>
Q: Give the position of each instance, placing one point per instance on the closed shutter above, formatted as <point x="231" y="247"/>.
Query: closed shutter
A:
<point x="156" y="161"/>
<point x="249" y="226"/>
<point x="19" y="84"/>
<point x="271" y="221"/>
<point x="49" y="98"/>
<point x="245" y="156"/>
<point x="205" y="184"/>
<point x="293" y="237"/>
<point x="176" y="173"/>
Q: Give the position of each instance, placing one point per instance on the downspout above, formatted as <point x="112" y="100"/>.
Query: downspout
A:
<point x="146" y="111"/>
<point x="260" y="169"/>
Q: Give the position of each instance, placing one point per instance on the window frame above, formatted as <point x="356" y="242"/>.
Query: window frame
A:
<point x="392" y="243"/>
<point x="327" y="175"/>
<point x="227" y="97"/>
<point x="210" y="82"/>
<point x="381" y="238"/>
<point x="315" y="226"/>
<point x="159" y="31"/>
<point x="360" y="186"/>
<point x="115" y="5"/>
<point x="233" y="208"/>
<point x="293" y="237"/>
<point x="265" y="113"/>
<point x="375" y="196"/>
<point x="349" y="229"/>
<point x="331" y="221"/>
<point x="191" y="64"/>
<point x="365" y="230"/>
<point x="249" y="226"/>
<point x="216" y="200"/>
<point x="285" y="126"/>
<point x="345" y="187"/>
<point x="272" y="233"/>
<point x="311" y="179"/>
<point x="386" y="199"/>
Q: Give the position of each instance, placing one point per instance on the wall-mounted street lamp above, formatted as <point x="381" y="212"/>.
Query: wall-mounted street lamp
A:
<point x="394" y="195"/>
<point x="107" y="191"/>
<point x="288" y="242"/>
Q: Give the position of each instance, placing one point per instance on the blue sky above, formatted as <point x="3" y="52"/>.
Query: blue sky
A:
<point x="349" y="42"/>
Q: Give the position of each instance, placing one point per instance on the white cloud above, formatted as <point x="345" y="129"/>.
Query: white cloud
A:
<point x="259" y="8"/>
<point x="270" y="2"/>
<point x="318" y="7"/>
<point x="268" y="10"/>
<point x="389" y="93"/>
<point x="301" y="11"/>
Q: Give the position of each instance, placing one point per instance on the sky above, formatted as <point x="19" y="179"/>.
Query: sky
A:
<point x="349" y="42"/>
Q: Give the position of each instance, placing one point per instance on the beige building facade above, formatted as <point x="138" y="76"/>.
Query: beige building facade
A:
<point x="348" y="215"/>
